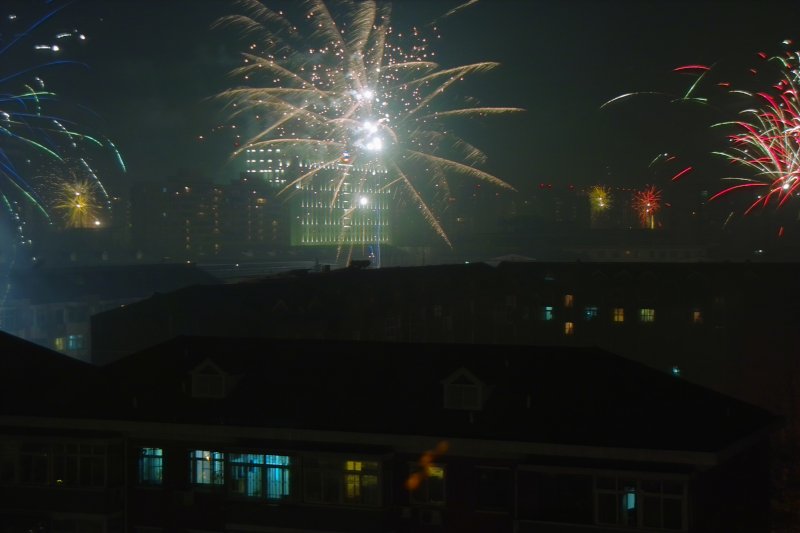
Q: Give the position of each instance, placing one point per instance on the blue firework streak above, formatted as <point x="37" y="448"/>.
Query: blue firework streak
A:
<point x="36" y="128"/>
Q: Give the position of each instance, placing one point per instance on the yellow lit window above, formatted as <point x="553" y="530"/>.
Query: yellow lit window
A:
<point x="619" y="314"/>
<point x="647" y="315"/>
<point x="59" y="343"/>
<point x="361" y="482"/>
<point x="569" y="328"/>
<point x="568" y="300"/>
<point x="697" y="317"/>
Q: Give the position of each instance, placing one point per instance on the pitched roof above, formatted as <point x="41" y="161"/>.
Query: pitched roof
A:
<point x="560" y="395"/>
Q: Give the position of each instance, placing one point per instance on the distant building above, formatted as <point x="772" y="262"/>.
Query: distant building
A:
<point x="52" y="306"/>
<point x="241" y="435"/>
<point x="340" y="203"/>
<point x="190" y="219"/>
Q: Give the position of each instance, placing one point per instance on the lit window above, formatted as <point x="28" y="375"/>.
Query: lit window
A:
<point x="361" y="482"/>
<point x="619" y="314"/>
<point x="647" y="315"/>
<point x="697" y="317"/>
<point x="616" y="501"/>
<point x="590" y="312"/>
<point x="569" y="328"/>
<point x="206" y="467"/>
<point x="259" y="476"/>
<point x="676" y="371"/>
<point x="59" y="343"/>
<point x="568" y="300"/>
<point x="547" y="312"/>
<point x="151" y="466"/>
<point x="329" y="480"/>
<point x="75" y="342"/>
<point x="429" y="488"/>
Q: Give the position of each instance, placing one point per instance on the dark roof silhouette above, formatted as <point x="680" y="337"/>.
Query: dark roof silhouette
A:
<point x="559" y="395"/>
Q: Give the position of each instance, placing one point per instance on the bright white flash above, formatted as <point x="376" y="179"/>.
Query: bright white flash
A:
<point x="375" y="144"/>
<point x="363" y="201"/>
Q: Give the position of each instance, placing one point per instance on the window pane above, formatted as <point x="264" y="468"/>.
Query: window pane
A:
<point x="651" y="511"/>
<point x="607" y="508"/>
<point x="436" y="485"/>
<point x="151" y="466"/>
<point x="673" y="487"/>
<point x="494" y="488"/>
<point x="673" y="513"/>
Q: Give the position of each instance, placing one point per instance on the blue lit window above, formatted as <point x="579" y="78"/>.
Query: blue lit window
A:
<point x="206" y="467"/>
<point x="259" y="476"/>
<point x="590" y="312"/>
<point x="75" y="342"/>
<point x="547" y="312"/>
<point x="151" y="466"/>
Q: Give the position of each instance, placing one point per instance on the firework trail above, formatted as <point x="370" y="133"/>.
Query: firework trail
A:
<point x="763" y="142"/>
<point x="342" y="88"/>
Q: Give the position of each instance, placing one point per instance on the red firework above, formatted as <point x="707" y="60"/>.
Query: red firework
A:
<point x="647" y="203"/>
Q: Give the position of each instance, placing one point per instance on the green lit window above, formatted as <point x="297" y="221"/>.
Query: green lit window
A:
<point x="647" y="315"/>
<point x="590" y="312"/>
<point x="547" y="312"/>
<point x="151" y="466"/>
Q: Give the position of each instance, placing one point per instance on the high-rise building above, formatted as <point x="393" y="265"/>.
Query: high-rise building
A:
<point x="339" y="204"/>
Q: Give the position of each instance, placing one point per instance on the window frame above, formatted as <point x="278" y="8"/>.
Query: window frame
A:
<point x="421" y="495"/>
<point x="145" y="458"/>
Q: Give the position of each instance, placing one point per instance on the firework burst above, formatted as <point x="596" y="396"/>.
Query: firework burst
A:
<point x="647" y="203"/>
<point x="764" y="143"/>
<point x="344" y="90"/>
<point x="78" y="203"/>
<point x="768" y="140"/>
<point x="32" y="135"/>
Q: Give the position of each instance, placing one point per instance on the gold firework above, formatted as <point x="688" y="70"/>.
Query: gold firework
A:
<point x="343" y="84"/>
<point x="77" y="200"/>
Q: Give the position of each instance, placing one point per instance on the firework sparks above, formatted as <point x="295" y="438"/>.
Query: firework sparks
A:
<point x="78" y="201"/>
<point x="768" y="140"/>
<point x="32" y="135"/>
<point x="647" y="203"/>
<point x="600" y="201"/>
<point x="765" y="142"/>
<point x="343" y="90"/>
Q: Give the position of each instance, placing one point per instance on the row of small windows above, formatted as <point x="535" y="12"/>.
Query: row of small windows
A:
<point x="646" y="314"/>
<point x="569" y="498"/>
<point x="270" y="477"/>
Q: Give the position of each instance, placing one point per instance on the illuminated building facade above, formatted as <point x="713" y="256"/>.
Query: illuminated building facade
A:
<point x="326" y="210"/>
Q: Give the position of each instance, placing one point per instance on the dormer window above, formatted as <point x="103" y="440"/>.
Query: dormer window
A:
<point x="462" y="390"/>
<point x="208" y="381"/>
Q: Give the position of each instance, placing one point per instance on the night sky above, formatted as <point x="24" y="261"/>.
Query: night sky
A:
<point x="154" y="65"/>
